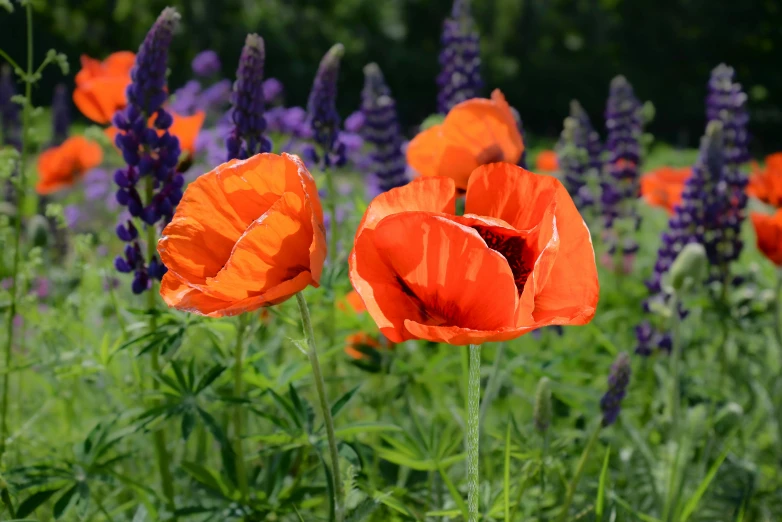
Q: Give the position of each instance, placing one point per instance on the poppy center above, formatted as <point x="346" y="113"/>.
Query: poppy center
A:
<point x="514" y="249"/>
<point x="491" y="154"/>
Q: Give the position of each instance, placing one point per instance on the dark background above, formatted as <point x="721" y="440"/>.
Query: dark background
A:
<point x="541" y="53"/>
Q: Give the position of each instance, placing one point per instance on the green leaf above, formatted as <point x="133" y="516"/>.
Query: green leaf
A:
<point x="692" y="503"/>
<point x="188" y="423"/>
<point x="369" y="427"/>
<point x="601" y="488"/>
<point x="362" y="511"/>
<point x="206" y="477"/>
<point x="506" y="474"/>
<point x="32" y="502"/>
<point x="226" y="450"/>
<point x="64" y="502"/>
<point x="342" y="401"/>
<point x="7" y="5"/>
<point x="209" y="377"/>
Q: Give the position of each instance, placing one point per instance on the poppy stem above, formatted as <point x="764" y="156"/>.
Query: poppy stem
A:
<point x="328" y="421"/>
<point x="473" y="432"/>
<point x="241" y="472"/>
<point x="20" y="196"/>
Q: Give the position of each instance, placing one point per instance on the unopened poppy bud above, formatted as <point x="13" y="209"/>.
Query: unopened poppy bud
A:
<point x="542" y="414"/>
<point x="689" y="267"/>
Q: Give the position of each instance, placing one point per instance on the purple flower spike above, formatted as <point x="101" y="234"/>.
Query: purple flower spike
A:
<point x="206" y="63"/>
<point x="61" y="114"/>
<point x="247" y="137"/>
<point x="9" y="111"/>
<point x="578" y="154"/>
<point x="618" y="380"/>
<point x="460" y="61"/>
<point x="147" y="154"/>
<point x="381" y="130"/>
<point x="322" y="109"/>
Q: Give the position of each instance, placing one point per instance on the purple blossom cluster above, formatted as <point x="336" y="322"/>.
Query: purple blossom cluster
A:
<point x="151" y="153"/>
<point x="579" y="152"/>
<point x="381" y="129"/>
<point x="460" y="60"/>
<point x="695" y="220"/>
<point x="621" y="184"/>
<point x="247" y="137"/>
<point x="10" y="128"/>
<point x="726" y="103"/>
<point x="618" y="380"/>
<point x="61" y="114"/>
<point x="322" y="110"/>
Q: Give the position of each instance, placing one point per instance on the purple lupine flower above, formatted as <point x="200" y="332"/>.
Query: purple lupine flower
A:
<point x="147" y="154"/>
<point x="618" y="380"/>
<point x="272" y="91"/>
<point x="520" y="125"/>
<point x="727" y="103"/>
<point x="621" y="183"/>
<point x="215" y="97"/>
<point x="61" y="114"/>
<point x="72" y="214"/>
<point x="697" y="219"/>
<point x="381" y="129"/>
<point x="206" y="63"/>
<point x="322" y="109"/>
<point x="10" y="129"/>
<point x="578" y="155"/>
<point x="247" y="137"/>
<point x="185" y="99"/>
<point x="460" y="61"/>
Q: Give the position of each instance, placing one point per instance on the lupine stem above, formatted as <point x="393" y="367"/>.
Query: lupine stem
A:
<point x="159" y="436"/>
<point x="320" y="386"/>
<point x="20" y="193"/>
<point x="675" y="400"/>
<point x="241" y="472"/>
<point x="571" y="489"/>
<point x="473" y="432"/>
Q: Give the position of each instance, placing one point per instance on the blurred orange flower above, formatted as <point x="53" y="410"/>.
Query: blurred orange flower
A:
<point x="60" y="167"/>
<point x="100" y="86"/>
<point x="663" y="187"/>
<point x="768" y="230"/>
<point x="475" y="132"/>
<point x="547" y="161"/>
<point x="766" y="184"/>
<point x="354" y="344"/>
<point x="520" y="258"/>
<point x="247" y="234"/>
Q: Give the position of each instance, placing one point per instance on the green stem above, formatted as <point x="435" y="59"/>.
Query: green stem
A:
<point x="332" y="204"/>
<point x="571" y="489"/>
<point x="778" y="309"/>
<point x="320" y="386"/>
<point x="20" y="196"/>
<point x="675" y="404"/>
<point x="241" y="472"/>
<point x="543" y="475"/>
<point x="473" y="432"/>
<point x="159" y="436"/>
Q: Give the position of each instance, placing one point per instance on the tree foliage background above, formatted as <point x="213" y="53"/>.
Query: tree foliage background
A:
<point x="541" y="53"/>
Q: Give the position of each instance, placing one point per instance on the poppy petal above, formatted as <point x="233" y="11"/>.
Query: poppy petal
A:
<point x="186" y="129"/>
<point x="768" y="230"/>
<point x="448" y="270"/>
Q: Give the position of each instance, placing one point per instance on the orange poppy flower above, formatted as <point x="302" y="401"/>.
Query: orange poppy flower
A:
<point x="768" y="230"/>
<point x="766" y="185"/>
<point x="100" y="86"/>
<point x="355" y="342"/>
<point x="520" y="258"/>
<point x="353" y="301"/>
<point x="547" y="161"/>
<point x="60" y="167"/>
<point x="245" y="235"/>
<point x="663" y="187"/>
<point x="475" y="132"/>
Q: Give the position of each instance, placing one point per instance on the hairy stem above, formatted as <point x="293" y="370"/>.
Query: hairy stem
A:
<point x="320" y="386"/>
<point x="20" y="196"/>
<point x="473" y="432"/>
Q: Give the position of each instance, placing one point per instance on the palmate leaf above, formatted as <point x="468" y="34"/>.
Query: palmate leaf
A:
<point x="31" y="503"/>
<point x="64" y="502"/>
<point x="361" y="512"/>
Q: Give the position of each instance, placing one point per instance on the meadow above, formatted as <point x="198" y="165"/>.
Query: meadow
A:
<point x="221" y="304"/>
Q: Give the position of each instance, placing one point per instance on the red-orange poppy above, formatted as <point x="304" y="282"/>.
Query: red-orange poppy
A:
<point x="547" y="161"/>
<point x="768" y="230"/>
<point x="60" y="167"/>
<point x="475" y="132"/>
<point x="100" y="86"/>
<point x="663" y="187"/>
<point x="520" y="258"/>
<point x="353" y="302"/>
<point x="355" y="343"/>
<point x="245" y="235"/>
<point x="766" y="184"/>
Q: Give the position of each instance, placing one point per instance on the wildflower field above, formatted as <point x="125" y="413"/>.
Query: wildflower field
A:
<point x="221" y="303"/>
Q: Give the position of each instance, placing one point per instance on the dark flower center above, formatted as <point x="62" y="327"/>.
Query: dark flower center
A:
<point x="514" y="248"/>
<point x="491" y="154"/>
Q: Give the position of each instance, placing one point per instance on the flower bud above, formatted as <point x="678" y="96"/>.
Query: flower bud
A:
<point x="689" y="268"/>
<point x="542" y="415"/>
